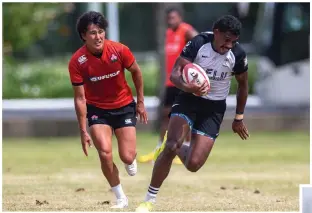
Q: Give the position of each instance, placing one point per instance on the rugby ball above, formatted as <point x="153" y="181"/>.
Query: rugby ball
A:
<point x="189" y="72"/>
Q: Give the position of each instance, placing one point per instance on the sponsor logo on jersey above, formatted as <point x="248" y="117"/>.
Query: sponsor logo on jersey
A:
<point x="99" y="78"/>
<point x="94" y="117"/>
<point x="187" y="44"/>
<point x="113" y="58"/>
<point x="82" y="59"/>
<point x="245" y="61"/>
<point x="212" y="75"/>
<point x="128" y="121"/>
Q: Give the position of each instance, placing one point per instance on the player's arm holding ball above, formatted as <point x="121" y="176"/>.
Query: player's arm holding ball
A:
<point x="187" y="56"/>
<point x="241" y="75"/>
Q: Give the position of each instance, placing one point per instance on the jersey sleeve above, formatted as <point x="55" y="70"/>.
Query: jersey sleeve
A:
<point x="127" y="57"/>
<point x="190" y="50"/>
<point x="187" y="27"/>
<point x="241" y="63"/>
<point x="75" y="74"/>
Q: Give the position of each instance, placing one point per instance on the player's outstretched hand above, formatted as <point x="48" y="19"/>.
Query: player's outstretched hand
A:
<point x="141" y="112"/>
<point x="85" y="142"/>
<point x="240" y="128"/>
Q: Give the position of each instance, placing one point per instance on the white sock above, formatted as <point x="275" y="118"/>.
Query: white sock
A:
<point x="151" y="194"/>
<point x="187" y="143"/>
<point x="118" y="191"/>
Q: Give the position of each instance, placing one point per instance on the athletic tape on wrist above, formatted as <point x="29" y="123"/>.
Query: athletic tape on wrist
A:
<point x="239" y="116"/>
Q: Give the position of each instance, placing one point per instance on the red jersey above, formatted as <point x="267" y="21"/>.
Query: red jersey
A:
<point x="103" y="77"/>
<point x="175" y="41"/>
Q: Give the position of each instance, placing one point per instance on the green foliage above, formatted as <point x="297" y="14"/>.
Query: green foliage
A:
<point x="25" y="23"/>
<point x="50" y="79"/>
<point x="252" y="76"/>
<point x="39" y="79"/>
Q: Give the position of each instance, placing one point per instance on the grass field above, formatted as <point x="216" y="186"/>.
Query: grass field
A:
<point x="261" y="174"/>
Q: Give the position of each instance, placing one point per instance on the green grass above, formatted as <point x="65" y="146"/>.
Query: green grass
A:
<point x="52" y="169"/>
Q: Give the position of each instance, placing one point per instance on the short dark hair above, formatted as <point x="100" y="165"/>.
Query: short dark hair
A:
<point x="88" y="18"/>
<point x="228" y="23"/>
<point x="173" y="9"/>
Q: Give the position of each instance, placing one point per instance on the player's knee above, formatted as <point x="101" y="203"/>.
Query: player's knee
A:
<point x="105" y="155"/>
<point x="194" y="164"/>
<point x="171" y="147"/>
<point x="128" y="156"/>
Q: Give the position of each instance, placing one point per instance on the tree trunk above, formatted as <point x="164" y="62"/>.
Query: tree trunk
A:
<point x="161" y="26"/>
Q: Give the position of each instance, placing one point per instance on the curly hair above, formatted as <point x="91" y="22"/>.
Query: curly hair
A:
<point x="228" y="23"/>
<point x="88" y="18"/>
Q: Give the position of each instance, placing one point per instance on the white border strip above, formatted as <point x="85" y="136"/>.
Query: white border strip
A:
<point x="300" y="195"/>
<point x="68" y="103"/>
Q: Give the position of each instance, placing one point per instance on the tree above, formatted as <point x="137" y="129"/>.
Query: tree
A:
<point x="25" y="23"/>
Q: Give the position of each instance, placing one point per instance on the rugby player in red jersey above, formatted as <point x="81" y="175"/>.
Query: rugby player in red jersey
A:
<point x="178" y="34"/>
<point x="102" y="95"/>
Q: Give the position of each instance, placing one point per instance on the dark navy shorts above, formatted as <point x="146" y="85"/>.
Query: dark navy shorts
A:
<point x="170" y="95"/>
<point x="203" y="116"/>
<point x="116" y="118"/>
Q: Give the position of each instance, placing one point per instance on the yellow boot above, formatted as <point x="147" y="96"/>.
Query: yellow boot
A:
<point x="161" y="148"/>
<point x="145" y="207"/>
<point x="146" y="158"/>
<point x="177" y="160"/>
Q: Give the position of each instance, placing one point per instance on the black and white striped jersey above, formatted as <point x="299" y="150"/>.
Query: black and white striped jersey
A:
<point x="220" y="68"/>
